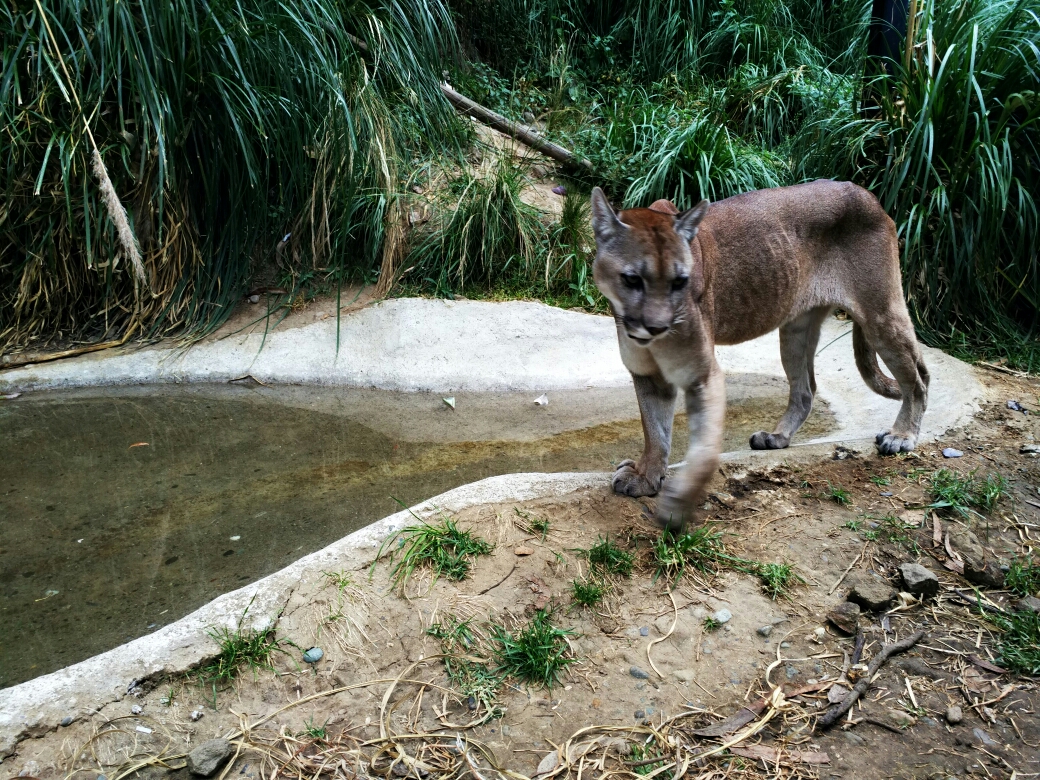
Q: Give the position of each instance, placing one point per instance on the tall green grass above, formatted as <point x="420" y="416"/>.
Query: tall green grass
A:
<point x="225" y="127"/>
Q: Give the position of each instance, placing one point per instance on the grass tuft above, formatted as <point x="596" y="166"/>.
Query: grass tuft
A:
<point x="838" y="495"/>
<point x="609" y="558"/>
<point x="777" y="578"/>
<point x="238" y="649"/>
<point x="444" y="548"/>
<point x="1020" y="643"/>
<point x="587" y="594"/>
<point x="1023" y="577"/>
<point x="966" y="494"/>
<point x="536" y="653"/>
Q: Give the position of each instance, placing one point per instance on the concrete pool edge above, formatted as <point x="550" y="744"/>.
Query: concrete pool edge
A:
<point x="39" y="706"/>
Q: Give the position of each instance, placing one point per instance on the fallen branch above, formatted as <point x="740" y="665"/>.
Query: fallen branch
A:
<point x="514" y="129"/>
<point x="837" y="712"/>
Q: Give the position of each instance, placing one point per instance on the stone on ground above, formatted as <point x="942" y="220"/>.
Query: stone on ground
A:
<point x="208" y="757"/>
<point x="871" y="592"/>
<point x="918" y="580"/>
<point x="845" y="616"/>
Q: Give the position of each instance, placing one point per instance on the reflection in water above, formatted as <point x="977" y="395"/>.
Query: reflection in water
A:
<point x="124" y="510"/>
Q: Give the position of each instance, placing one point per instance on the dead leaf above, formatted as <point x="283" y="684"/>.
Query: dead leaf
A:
<point x="547" y="764"/>
<point x="138" y="444"/>
<point x="837" y="694"/>
<point x="974" y="681"/>
<point x="982" y="664"/>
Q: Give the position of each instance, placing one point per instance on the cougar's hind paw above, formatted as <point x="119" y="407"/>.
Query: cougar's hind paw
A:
<point x="629" y="482"/>
<point x="889" y="443"/>
<point x="769" y="441"/>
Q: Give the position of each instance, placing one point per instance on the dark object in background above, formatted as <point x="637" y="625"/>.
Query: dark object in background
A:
<point x="887" y="32"/>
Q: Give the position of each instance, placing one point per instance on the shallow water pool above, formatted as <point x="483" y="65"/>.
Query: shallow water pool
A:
<point x="122" y="510"/>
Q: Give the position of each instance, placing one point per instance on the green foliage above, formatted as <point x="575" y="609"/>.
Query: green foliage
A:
<point x="891" y="529"/>
<point x="536" y="653"/>
<point x="607" y="557"/>
<point x="711" y="624"/>
<point x="965" y="494"/>
<point x="777" y="578"/>
<point x="1020" y="643"/>
<point x="1023" y="577"/>
<point x="838" y="495"/>
<point x="445" y="548"/>
<point x="467" y="672"/>
<point x="223" y="127"/>
<point x="238" y="649"/>
<point x="587" y="594"/>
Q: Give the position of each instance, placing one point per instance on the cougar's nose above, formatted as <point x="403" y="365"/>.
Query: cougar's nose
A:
<point x="654" y="331"/>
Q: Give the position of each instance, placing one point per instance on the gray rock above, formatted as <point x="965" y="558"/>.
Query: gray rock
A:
<point x="313" y="655"/>
<point x="854" y="739"/>
<point x="638" y="673"/>
<point x="644" y="631"/>
<point x="785" y="645"/>
<point x="985" y="738"/>
<point x="137" y="709"/>
<point x="208" y="757"/>
<point x="764" y="631"/>
<point x="723" y="616"/>
<point x="845" y="617"/>
<point x="1028" y="604"/>
<point x="685" y="675"/>
<point x="640" y="714"/>
<point x="67" y="720"/>
<point x="950" y="452"/>
<point x="871" y="593"/>
<point x="977" y="567"/>
<point x="954" y="715"/>
<point x="918" y="580"/>
<point x="791" y="672"/>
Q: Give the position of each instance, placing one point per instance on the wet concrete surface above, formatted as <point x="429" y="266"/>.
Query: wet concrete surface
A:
<point x="125" y="509"/>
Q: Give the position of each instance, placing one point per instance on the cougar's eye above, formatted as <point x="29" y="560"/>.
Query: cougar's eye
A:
<point x="632" y="281"/>
<point x="679" y="283"/>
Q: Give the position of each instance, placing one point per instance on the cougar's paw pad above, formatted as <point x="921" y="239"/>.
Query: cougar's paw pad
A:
<point x="889" y="443"/>
<point x="629" y="482"/>
<point x="769" y="441"/>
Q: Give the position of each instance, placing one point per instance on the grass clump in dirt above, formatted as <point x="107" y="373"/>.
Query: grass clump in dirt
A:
<point x="444" y="548"/>
<point x="608" y="557"/>
<point x="966" y="494"/>
<point x="838" y="495"/>
<point x="469" y="673"/>
<point x="711" y="624"/>
<point x="1023" y="577"/>
<point x="701" y="548"/>
<point x="587" y="594"/>
<point x="531" y="523"/>
<point x="238" y="649"/>
<point x="1020" y="644"/>
<point x="891" y="529"/>
<point x="777" y="578"/>
<point x="535" y="653"/>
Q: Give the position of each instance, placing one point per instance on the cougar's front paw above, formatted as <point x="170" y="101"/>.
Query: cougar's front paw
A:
<point x="672" y="513"/>
<point x="769" y="441"/>
<point x="628" y="481"/>
<point x="889" y="443"/>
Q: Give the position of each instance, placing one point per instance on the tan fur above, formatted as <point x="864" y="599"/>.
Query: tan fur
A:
<point x="678" y="284"/>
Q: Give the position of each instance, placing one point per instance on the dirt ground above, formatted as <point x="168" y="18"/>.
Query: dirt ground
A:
<point x="649" y="672"/>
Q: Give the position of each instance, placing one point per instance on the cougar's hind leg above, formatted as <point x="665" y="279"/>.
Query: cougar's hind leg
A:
<point x="798" y="341"/>
<point x="657" y="411"/>
<point x="895" y="342"/>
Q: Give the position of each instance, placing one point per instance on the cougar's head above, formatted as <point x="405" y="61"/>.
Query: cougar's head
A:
<point x="646" y="266"/>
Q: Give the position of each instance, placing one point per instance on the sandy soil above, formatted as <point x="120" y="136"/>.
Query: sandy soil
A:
<point x="648" y="671"/>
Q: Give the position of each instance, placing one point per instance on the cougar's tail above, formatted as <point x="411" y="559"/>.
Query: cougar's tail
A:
<point x="866" y="362"/>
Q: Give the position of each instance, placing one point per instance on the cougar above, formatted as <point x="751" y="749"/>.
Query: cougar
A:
<point x="680" y="283"/>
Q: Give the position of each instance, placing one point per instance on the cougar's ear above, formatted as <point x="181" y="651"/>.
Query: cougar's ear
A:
<point x="605" y="223"/>
<point x="687" y="223"/>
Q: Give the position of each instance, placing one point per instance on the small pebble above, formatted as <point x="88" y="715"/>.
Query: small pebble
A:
<point x="640" y="715"/>
<point x="137" y="709"/>
<point x="887" y="494"/>
<point x="67" y="720"/>
<point x="950" y="452"/>
<point x="644" y="631"/>
<point x="785" y="645"/>
<point x="559" y="189"/>
<point x="638" y="673"/>
<point x="985" y="738"/>
<point x="764" y="631"/>
<point x="254" y="299"/>
<point x="819" y="633"/>
<point x="723" y="616"/>
<point x="313" y="655"/>
<point x="196" y="715"/>
<point x="954" y="714"/>
<point x="1015" y="406"/>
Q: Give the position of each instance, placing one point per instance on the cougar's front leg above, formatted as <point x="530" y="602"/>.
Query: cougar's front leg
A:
<point x="706" y="411"/>
<point x="657" y="410"/>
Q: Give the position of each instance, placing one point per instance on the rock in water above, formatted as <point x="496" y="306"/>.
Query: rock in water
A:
<point x="918" y="580"/>
<point x="845" y="616"/>
<point x="871" y="593"/>
<point x="208" y="757"/>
